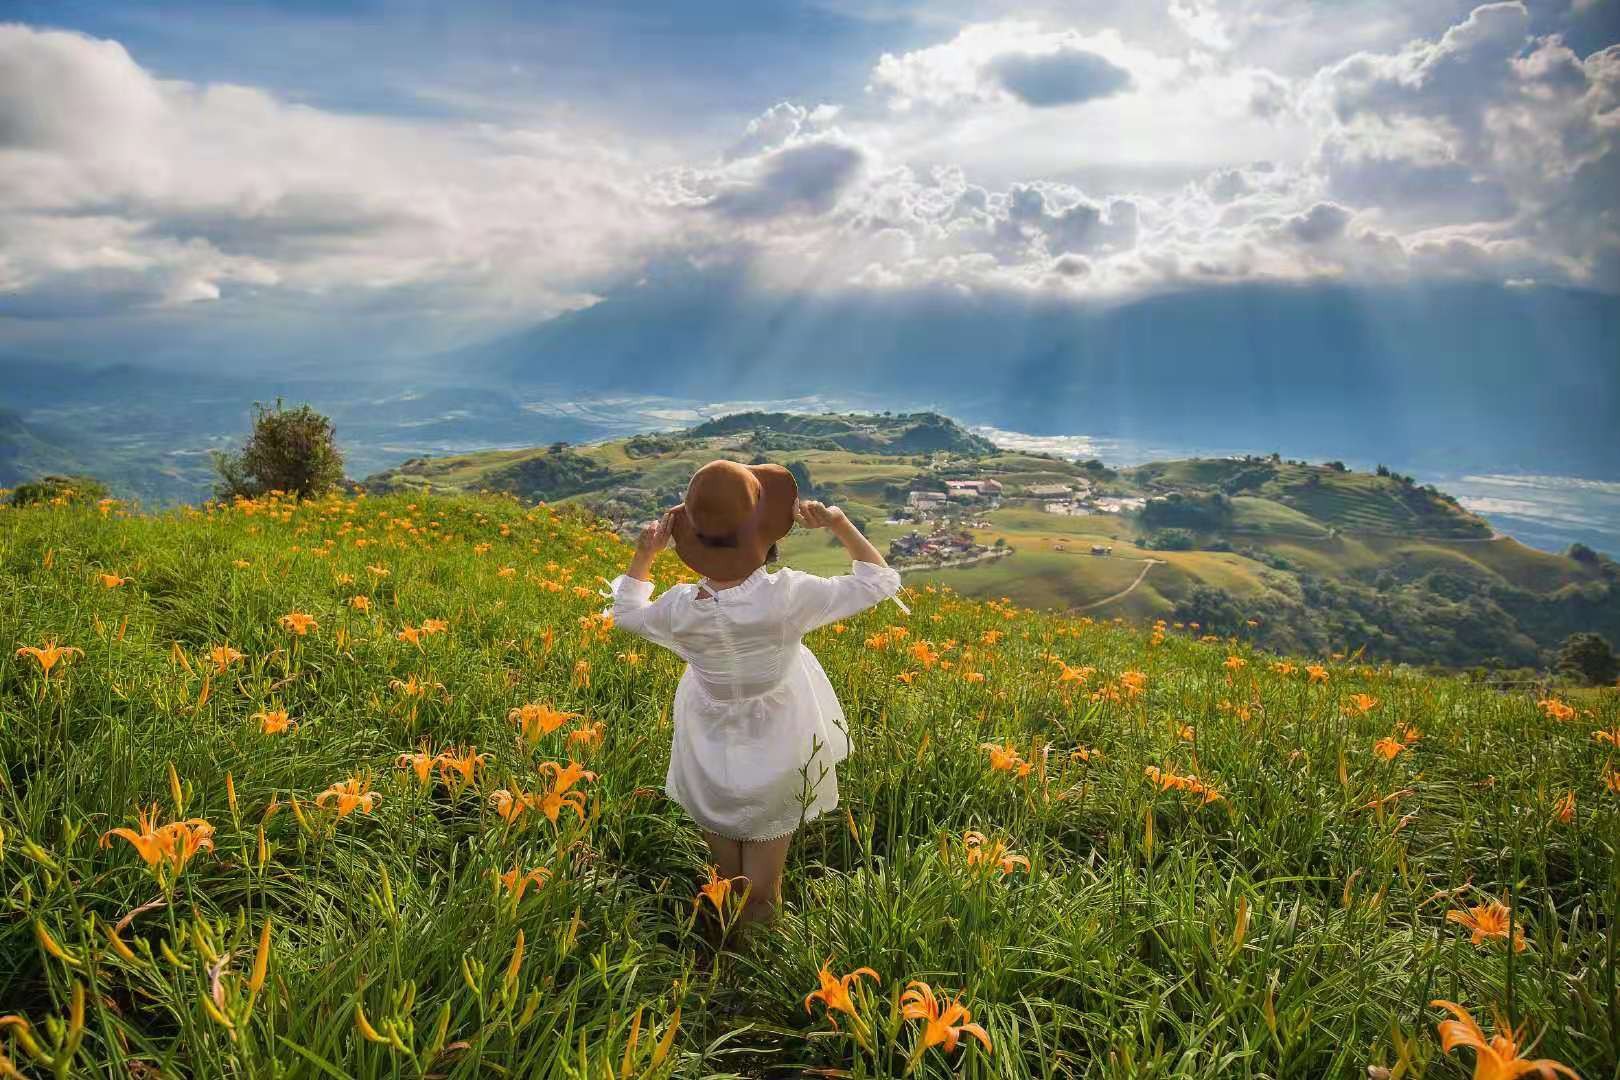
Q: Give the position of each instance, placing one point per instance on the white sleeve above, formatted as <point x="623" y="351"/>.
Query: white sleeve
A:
<point x="816" y="601"/>
<point x="634" y="610"/>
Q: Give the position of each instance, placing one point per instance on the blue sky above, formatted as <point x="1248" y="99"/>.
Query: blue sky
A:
<point x="446" y="170"/>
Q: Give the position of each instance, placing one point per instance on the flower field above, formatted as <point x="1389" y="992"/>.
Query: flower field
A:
<point x="370" y="787"/>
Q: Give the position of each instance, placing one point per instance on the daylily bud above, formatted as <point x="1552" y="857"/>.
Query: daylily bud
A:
<point x="50" y="945"/>
<point x="363" y="1025"/>
<point x="261" y="960"/>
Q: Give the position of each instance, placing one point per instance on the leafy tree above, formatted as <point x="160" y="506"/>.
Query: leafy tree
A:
<point x="1214" y="609"/>
<point x="1583" y="554"/>
<point x="1590" y="658"/>
<point x="1172" y="540"/>
<point x="65" y="488"/>
<point x="291" y="450"/>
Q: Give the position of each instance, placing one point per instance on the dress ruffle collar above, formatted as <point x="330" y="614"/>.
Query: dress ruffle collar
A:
<point x="741" y="588"/>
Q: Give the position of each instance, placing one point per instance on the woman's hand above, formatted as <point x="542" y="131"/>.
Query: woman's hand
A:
<point x="815" y="515"/>
<point x="655" y="537"/>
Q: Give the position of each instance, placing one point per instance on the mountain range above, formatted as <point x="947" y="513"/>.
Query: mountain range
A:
<point x="1440" y="377"/>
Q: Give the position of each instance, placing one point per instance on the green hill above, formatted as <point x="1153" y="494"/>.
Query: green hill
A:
<point x="1181" y="859"/>
<point x="1320" y="558"/>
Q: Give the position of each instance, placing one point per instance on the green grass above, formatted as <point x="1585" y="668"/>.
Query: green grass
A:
<point x="1250" y="514"/>
<point x="1283" y="930"/>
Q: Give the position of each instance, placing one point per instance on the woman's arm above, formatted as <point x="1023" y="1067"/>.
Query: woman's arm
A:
<point x="814" y="515"/>
<point x="817" y="601"/>
<point x="653" y="539"/>
<point x="633" y="607"/>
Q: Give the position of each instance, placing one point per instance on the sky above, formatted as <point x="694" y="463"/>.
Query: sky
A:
<point x="436" y="171"/>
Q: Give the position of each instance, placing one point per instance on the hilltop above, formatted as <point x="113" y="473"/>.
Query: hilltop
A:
<point x="1321" y="558"/>
<point x="417" y="776"/>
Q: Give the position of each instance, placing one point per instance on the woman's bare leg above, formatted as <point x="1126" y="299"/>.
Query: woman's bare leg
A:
<point x="725" y="853"/>
<point x="762" y="862"/>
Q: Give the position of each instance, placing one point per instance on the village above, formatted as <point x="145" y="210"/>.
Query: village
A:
<point x="950" y="513"/>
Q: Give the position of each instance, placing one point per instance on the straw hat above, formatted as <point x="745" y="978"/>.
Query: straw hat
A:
<point x="732" y="515"/>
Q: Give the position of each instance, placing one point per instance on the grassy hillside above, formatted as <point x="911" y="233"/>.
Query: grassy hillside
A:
<point x="1320" y="558"/>
<point x="1278" y="902"/>
<point x="1325" y="496"/>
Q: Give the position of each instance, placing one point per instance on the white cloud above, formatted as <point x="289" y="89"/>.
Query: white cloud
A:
<point x="120" y="186"/>
<point x="1016" y="62"/>
<point x="1011" y="155"/>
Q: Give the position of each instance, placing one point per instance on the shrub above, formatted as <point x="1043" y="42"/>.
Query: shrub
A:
<point x="1589" y="658"/>
<point x="49" y="489"/>
<point x="1172" y="540"/>
<point x="291" y="450"/>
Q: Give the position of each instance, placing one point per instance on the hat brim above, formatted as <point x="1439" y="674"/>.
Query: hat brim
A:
<point x="772" y="519"/>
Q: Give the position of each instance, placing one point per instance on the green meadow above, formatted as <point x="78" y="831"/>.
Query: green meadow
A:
<point x="368" y="787"/>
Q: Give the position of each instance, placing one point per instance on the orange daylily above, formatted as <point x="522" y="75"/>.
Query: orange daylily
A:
<point x="1074" y="674"/>
<point x="565" y="776"/>
<point x="907" y="677"/>
<point x="298" y="622"/>
<point x="411" y="687"/>
<point x="223" y="656"/>
<point x="274" y="721"/>
<point x="834" y="992"/>
<point x="421" y="763"/>
<point x="1166" y="780"/>
<point x="1554" y="709"/>
<point x="48" y="655"/>
<point x="1316" y="673"/>
<point x="509" y="804"/>
<point x="516" y="881"/>
<point x="350" y="795"/>
<point x="1006" y="759"/>
<point x="1564" y="811"/>
<point x="113" y="581"/>
<point x="944" y="1022"/>
<point x="560" y="797"/>
<point x="536" y="720"/>
<point x="411" y="635"/>
<point x="459" y="767"/>
<point x="1496" y="1058"/>
<point x="1235" y="663"/>
<point x="717" y="890"/>
<point x="1488" y="921"/>
<point x="994" y="853"/>
<point x="1388" y="748"/>
<point x="164" y="848"/>
<point x="582" y="674"/>
<point x="434" y="626"/>
<point x="360" y="603"/>
<point x="1361" y="703"/>
<point x="587" y="736"/>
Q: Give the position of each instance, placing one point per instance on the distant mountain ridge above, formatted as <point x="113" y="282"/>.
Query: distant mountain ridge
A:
<point x="1423" y="375"/>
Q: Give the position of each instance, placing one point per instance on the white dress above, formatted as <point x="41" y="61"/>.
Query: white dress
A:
<point x="758" y="728"/>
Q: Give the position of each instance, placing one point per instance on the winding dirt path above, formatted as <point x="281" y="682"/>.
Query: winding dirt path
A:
<point x="1147" y="564"/>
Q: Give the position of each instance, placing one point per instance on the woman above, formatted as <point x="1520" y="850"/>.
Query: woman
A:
<point x="758" y="729"/>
